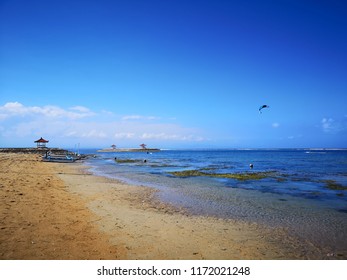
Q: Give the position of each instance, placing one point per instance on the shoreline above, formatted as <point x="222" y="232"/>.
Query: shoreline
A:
<point x="102" y="218"/>
<point x="150" y="229"/>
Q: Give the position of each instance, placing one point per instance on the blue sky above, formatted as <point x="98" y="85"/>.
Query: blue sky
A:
<point x="174" y="74"/>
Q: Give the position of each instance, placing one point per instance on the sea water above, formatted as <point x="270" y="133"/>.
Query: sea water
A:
<point x="303" y="191"/>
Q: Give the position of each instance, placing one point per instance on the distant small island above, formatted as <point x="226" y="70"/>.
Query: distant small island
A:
<point x="114" y="149"/>
<point x="111" y="150"/>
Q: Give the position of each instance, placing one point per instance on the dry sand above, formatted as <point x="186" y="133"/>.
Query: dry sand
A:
<point x="60" y="211"/>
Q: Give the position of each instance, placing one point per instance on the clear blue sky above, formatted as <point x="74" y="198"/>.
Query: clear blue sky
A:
<point x="174" y="74"/>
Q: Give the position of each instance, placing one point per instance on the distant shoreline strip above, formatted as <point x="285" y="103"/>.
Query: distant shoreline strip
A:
<point x="33" y="150"/>
<point x="126" y="150"/>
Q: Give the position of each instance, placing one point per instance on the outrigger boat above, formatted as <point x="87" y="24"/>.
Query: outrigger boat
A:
<point x="58" y="158"/>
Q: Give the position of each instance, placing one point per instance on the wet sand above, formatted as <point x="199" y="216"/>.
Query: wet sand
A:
<point x="60" y="211"/>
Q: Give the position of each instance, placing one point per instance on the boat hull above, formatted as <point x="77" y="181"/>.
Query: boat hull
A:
<point x="58" y="159"/>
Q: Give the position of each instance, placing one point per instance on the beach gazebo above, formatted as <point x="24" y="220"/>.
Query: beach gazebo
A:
<point x="41" y="143"/>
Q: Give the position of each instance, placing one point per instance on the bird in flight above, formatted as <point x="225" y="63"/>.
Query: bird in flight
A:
<point x="262" y="107"/>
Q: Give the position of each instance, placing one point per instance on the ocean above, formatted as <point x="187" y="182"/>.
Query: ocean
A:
<point x="303" y="191"/>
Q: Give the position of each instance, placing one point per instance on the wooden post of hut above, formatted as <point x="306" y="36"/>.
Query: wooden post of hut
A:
<point x="41" y="143"/>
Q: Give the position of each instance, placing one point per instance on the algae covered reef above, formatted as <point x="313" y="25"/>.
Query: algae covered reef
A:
<point x="127" y="160"/>
<point x="237" y="176"/>
<point x="333" y="185"/>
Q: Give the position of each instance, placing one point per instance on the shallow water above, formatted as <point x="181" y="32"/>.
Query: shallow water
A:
<point x="307" y="195"/>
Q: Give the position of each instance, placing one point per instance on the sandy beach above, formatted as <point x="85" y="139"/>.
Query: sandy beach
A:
<point x="61" y="211"/>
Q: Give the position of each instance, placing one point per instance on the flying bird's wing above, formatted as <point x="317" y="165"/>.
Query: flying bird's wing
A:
<point x="262" y="107"/>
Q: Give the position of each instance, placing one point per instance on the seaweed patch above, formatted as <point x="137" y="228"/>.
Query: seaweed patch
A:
<point x="238" y="176"/>
<point x="127" y="161"/>
<point x="333" y="185"/>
